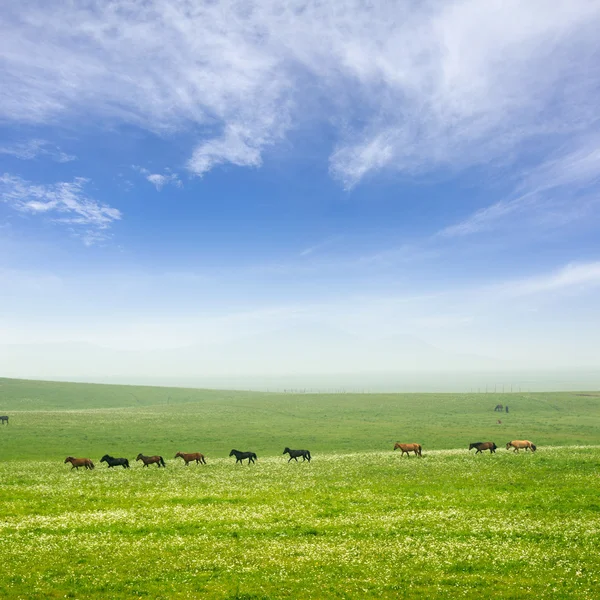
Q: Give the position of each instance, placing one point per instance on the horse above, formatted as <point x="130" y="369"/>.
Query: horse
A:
<point x="115" y="462"/>
<point x="197" y="456"/>
<point x="407" y="448"/>
<point x="79" y="462"/>
<point x="150" y="460"/>
<point x="241" y="456"/>
<point x="499" y="408"/>
<point x="3" y="419"/>
<point x="481" y="446"/>
<point x="521" y="444"/>
<point x="305" y="454"/>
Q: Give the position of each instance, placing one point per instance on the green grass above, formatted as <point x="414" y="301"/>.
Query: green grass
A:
<point x="357" y="522"/>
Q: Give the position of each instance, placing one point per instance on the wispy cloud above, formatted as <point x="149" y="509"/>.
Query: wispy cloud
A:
<point x="572" y="278"/>
<point x="159" y="180"/>
<point x="547" y="194"/>
<point x="408" y="87"/>
<point x="63" y="202"/>
<point x="34" y="148"/>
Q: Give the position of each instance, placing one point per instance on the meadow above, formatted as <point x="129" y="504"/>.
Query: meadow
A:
<point x="357" y="522"/>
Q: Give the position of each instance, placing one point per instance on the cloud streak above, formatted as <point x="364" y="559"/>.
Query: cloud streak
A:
<point x="62" y="202"/>
<point x="34" y="148"/>
<point x="407" y="87"/>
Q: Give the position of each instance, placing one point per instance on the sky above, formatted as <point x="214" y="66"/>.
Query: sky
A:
<point x="284" y="187"/>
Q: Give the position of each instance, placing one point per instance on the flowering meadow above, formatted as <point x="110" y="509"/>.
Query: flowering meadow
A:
<point x="351" y="524"/>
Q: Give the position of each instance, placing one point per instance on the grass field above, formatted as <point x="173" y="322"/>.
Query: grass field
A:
<point x="357" y="522"/>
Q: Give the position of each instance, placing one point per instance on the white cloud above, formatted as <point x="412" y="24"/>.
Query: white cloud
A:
<point x="63" y="202"/>
<point x="549" y="194"/>
<point x="406" y="86"/>
<point x="571" y="278"/>
<point x="159" y="181"/>
<point x="34" y="148"/>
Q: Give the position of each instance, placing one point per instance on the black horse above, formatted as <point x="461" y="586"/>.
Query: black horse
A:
<point x="305" y="454"/>
<point x="115" y="462"/>
<point x="241" y="456"/>
<point x="4" y="419"/>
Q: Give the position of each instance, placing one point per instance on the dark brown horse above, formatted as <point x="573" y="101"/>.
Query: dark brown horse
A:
<point x="195" y="456"/>
<point x="481" y="446"/>
<point x="150" y="460"/>
<point x="499" y="408"/>
<point x="3" y="419"/>
<point x="79" y="462"/>
<point x="517" y="445"/>
<point x="407" y="448"/>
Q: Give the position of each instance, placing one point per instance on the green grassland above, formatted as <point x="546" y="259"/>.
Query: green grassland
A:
<point x="357" y="522"/>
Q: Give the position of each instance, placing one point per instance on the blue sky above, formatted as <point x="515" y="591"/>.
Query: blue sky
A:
<point x="178" y="172"/>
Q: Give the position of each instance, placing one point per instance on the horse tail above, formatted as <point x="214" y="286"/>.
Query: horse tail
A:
<point x="308" y="455"/>
<point x="420" y="449"/>
<point x="162" y="462"/>
<point x="127" y="463"/>
<point x="254" y="456"/>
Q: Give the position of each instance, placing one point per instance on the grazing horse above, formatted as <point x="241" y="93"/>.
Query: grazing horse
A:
<point x="407" y="448"/>
<point x="79" y="462"/>
<point x="499" y="408"/>
<point x="521" y="444"/>
<point x="241" y="456"/>
<point x="305" y="454"/>
<point x="150" y="460"/>
<point x="188" y="458"/>
<point x="3" y="419"/>
<point x="115" y="462"/>
<point x="481" y="446"/>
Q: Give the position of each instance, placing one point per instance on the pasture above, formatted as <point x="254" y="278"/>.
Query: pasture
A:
<point x="357" y="521"/>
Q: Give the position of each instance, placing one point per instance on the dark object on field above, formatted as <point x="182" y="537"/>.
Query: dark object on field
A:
<point x="79" y="462"/>
<point x="481" y="446"/>
<point x="499" y="408"/>
<point x="150" y="460"/>
<point x="407" y="448"/>
<point x="521" y="444"/>
<point x="499" y="422"/>
<point x="241" y="456"/>
<point x="305" y="454"/>
<point x="197" y="456"/>
<point x="4" y="419"/>
<point x="115" y="462"/>
<point x="506" y="408"/>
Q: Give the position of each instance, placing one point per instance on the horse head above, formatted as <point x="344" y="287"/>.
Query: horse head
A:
<point x="232" y="452"/>
<point x="178" y="454"/>
<point x="104" y="458"/>
<point x="508" y="445"/>
<point x="286" y="451"/>
<point x="533" y="447"/>
<point x="68" y="459"/>
<point x="471" y="446"/>
<point x="139" y="457"/>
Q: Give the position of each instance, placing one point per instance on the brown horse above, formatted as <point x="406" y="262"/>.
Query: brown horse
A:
<point x="188" y="458"/>
<point x="79" y="462"/>
<point x="407" y="448"/>
<point x="481" y="446"/>
<point x="521" y="444"/>
<point x="150" y="460"/>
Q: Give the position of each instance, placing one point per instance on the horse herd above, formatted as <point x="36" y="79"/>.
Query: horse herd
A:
<point x="251" y="457"/>
<point x="198" y="457"/>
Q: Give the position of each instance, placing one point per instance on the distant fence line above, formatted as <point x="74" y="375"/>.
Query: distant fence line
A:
<point x="486" y="389"/>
